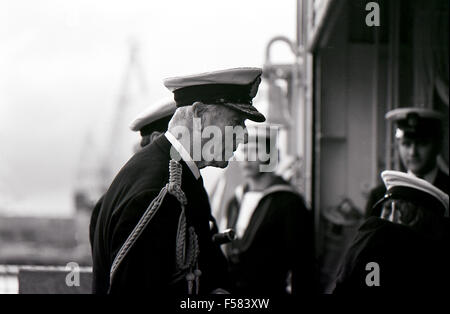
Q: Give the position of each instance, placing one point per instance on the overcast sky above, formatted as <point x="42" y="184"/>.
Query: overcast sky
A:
<point x="62" y="65"/>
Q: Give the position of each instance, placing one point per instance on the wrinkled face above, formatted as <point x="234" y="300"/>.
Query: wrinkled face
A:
<point x="219" y="142"/>
<point x="417" y="155"/>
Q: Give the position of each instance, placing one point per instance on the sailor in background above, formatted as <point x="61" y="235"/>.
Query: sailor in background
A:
<point x="409" y="242"/>
<point x="418" y="137"/>
<point x="273" y="250"/>
<point x="151" y="123"/>
<point x="153" y="231"/>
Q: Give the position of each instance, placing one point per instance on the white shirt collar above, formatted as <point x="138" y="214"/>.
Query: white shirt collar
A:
<point x="184" y="154"/>
<point x="430" y="176"/>
<point x="247" y="207"/>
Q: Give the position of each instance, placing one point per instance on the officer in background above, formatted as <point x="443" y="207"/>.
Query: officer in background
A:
<point x="418" y="138"/>
<point x="151" y="123"/>
<point x="406" y="249"/>
<point x="154" y="120"/>
<point x="273" y="250"/>
<point x="153" y="232"/>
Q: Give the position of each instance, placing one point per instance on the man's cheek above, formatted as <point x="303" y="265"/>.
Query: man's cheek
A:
<point x="228" y="151"/>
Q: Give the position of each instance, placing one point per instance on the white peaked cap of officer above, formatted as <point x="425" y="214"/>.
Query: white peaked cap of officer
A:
<point x="240" y="76"/>
<point x="415" y="122"/>
<point x="162" y="108"/>
<point x="234" y="88"/>
<point x="395" y="179"/>
<point x="403" y="113"/>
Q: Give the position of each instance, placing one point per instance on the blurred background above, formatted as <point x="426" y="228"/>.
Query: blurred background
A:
<point x="74" y="74"/>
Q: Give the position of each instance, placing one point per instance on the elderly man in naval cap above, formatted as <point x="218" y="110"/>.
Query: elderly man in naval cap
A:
<point x="153" y="234"/>
<point x="406" y="249"/>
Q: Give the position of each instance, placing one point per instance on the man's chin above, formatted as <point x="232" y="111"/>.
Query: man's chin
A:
<point x="416" y="169"/>
<point x="223" y="164"/>
<point x="218" y="164"/>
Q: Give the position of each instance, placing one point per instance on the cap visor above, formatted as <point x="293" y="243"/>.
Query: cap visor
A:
<point x="248" y="111"/>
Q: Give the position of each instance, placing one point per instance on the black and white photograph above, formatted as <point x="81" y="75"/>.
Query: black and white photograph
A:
<point x="239" y="155"/>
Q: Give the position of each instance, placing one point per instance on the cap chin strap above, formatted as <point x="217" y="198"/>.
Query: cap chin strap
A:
<point x="187" y="248"/>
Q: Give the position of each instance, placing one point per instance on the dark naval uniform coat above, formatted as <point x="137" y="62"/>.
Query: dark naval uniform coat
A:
<point x="409" y="262"/>
<point x="150" y="265"/>
<point x="441" y="182"/>
<point x="278" y="240"/>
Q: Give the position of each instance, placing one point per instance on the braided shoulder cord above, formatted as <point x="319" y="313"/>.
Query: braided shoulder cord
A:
<point x="137" y="231"/>
<point x="187" y="248"/>
<point x="184" y="261"/>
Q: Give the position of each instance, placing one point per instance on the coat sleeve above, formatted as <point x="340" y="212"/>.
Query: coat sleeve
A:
<point x="299" y="240"/>
<point x="150" y="263"/>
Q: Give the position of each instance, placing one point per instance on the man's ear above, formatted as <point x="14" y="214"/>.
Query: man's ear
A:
<point x="198" y="108"/>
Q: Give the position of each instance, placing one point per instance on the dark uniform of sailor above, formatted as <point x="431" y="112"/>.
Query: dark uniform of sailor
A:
<point x="415" y="124"/>
<point x="277" y="241"/>
<point x="153" y="234"/>
<point x="273" y="253"/>
<point x="408" y="260"/>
